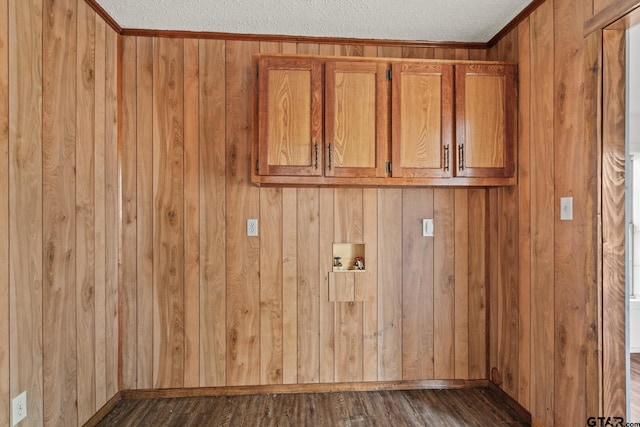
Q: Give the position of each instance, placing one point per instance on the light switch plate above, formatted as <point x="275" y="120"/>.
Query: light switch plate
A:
<point x="566" y="208"/>
<point x="427" y="227"/>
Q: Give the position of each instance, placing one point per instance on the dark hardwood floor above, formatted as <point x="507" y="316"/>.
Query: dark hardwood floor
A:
<point x="454" y="407"/>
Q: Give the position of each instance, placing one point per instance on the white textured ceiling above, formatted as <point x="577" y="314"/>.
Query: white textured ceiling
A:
<point x="410" y="20"/>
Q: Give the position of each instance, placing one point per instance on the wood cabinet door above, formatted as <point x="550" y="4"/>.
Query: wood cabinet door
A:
<point x="356" y="119"/>
<point x="486" y="108"/>
<point x="290" y="116"/>
<point x="422" y="120"/>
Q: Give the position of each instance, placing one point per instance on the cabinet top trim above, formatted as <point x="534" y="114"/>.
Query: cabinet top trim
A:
<point x="327" y="58"/>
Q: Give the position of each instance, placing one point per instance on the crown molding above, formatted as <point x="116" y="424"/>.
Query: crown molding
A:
<point x="311" y="39"/>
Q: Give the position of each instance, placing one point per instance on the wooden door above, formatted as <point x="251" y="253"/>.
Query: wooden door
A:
<point x="486" y="108"/>
<point x="290" y="116"/>
<point x="422" y="120"/>
<point x="356" y="117"/>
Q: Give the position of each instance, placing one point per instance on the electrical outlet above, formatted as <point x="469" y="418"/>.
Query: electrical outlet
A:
<point x="252" y="227"/>
<point x="427" y="227"/>
<point x="19" y="408"/>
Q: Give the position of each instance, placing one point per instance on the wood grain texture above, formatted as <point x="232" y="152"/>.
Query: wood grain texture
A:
<point x="290" y="286"/>
<point x="524" y="213"/>
<point x="213" y="241"/>
<point x="370" y="294"/>
<point x="25" y="203"/>
<point x="573" y="168"/>
<point x="444" y="313"/>
<point x="327" y="307"/>
<point x="100" y="214"/>
<point x="308" y="314"/>
<point x="128" y="195"/>
<point x="112" y="214"/>
<point x="478" y="270"/>
<point x="613" y="228"/>
<point x="461" y="292"/>
<point x="4" y="215"/>
<point x="417" y="286"/>
<point x="390" y="300"/>
<point x="144" y="211"/>
<point x="542" y="218"/>
<point x="168" y="221"/>
<point x="243" y="286"/>
<point x="59" y="220"/>
<point x="191" y="214"/>
<point x="85" y="214"/>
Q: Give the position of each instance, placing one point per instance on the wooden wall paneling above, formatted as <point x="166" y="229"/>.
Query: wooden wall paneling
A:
<point x="25" y="203"/>
<point x="348" y="315"/>
<point x="5" y="395"/>
<point x="213" y="208"/>
<point x="418" y="52"/>
<point x="85" y="214"/>
<point x="613" y="222"/>
<point x="461" y="54"/>
<point x="100" y="214"/>
<point x="592" y="106"/>
<point x="524" y="213"/>
<point x="417" y="285"/>
<point x="461" y="292"/>
<point x="308" y="287"/>
<point x="288" y="47"/>
<point x="506" y="317"/>
<point x="271" y="274"/>
<point x="112" y="211"/>
<point x="542" y="216"/>
<point x="307" y="48"/>
<point x="390" y="287"/>
<point x="477" y="283"/>
<point x="327" y="308"/>
<point x="444" y="53"/>
<point x="370" y="291"/>
<point x="390" y="52"/>
<point x="243" y="285"/>
<point x="574" y="164"/>
<point x="128" y="172"/>
<point x="144" y="211"/>
<point x="271" y="286"/>
<point x="191" y="214"/>
<point x="290" y="285"/>
<point x="168" y="194"/>
<point x="444" y="313"/>
<point x="496" y="304"/>
<point x="58" y="195"/>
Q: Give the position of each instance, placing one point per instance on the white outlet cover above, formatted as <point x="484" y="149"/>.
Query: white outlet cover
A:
<point x="252" y="227"/>
<point x="19" y="408"/>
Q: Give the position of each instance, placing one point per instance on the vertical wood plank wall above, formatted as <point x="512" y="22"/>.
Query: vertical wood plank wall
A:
<point x="59" y="215"/>
<point x="147" y="279"/>
<point x="544" y="321"/>
<point x="264" y="314"/>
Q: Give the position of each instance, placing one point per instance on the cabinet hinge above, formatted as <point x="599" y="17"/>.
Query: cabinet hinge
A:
<point x="389" y="75"/>
<point x="257" y="166"/>
<point x="389" y="167"/>
<point x="257" y="70"/>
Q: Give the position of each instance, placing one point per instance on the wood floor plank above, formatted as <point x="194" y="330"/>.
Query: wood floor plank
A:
<point x="455" y="407"/>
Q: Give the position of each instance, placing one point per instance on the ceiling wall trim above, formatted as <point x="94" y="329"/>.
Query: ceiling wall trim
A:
<point x="310" y="39"/>
<point x="103" y="13"/>
<point x="514" y="22"/>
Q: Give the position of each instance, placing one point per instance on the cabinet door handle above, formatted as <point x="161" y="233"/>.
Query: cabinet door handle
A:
<point x="461" y="157"/>
<point x="446" y="157"/>
<point x="315" y="148"/>
<point x="330" y="157"/>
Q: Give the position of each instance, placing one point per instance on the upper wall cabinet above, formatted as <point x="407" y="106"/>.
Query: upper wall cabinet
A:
<point x="486" y="128"/>
<point x="356" y="119"/>
<point x="422" y="120"/>
<point x="290" y="117"/>
<point x="335" y="121"/>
